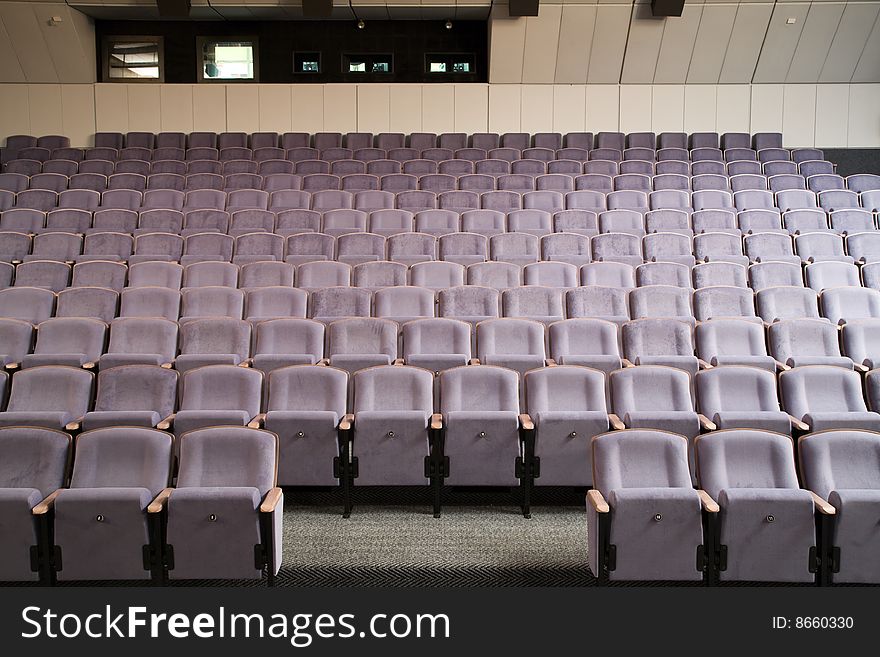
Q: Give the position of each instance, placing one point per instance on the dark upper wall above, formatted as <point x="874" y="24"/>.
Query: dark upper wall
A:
<point x="408" y="41"/>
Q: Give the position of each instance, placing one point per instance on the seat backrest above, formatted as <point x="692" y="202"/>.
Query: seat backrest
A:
<point x="439" y="335"/>
<point x="640" y="458"/>
<point x="216" y="387"/>
<point x="565" y="389"/>
<point x="507" y="336"/>
<point x="143" y="335"/>
<point x="723" y="301"/>
<point x="821" y="389"/>
<point x="403" y="301"/>
<point x="308" y="388"/>
<point x="660" y="301"/>
<point x="275" y="301"/>
<point x="841" y="304"/>
<point x="532" y="301"/>
<point x="735" y="388"/>
<point x="583" y="337"/>
<point x="656" y="337"/>
<point x="479" y="389"/>
<point x="719" y="337"/>
<point x="362" y="335"/>
<point x="32" y="457"/>
<point x="228" y="456"/>
<point x="596" y="301"/>
<point x="650" y="388"/>
<point x="122" y="457"/>
<point x="390" y="388"/>
<point x="290" y="336"/>
<point x="71" y="335"/>
<point x="745" y="458"/>
<point x="51" y="388"/>
<point x="840" y="460"/>
<point x="792" y="338"/>
<point x="340" y="302"/>
<point x="212" y="301"/>
<point x="469" y="301"/>
<point x="216" y="335"/>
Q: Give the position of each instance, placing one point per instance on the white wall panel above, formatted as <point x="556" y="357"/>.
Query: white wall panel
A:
<point x="677" y="45"/>
<point x="609" y="43"/>
<point x="406" y="108"/>
<point x="799" y="115"/>
<point x="438" y="108"/>
<point x="505" y="102"/>
<point x="44" y="101"/>
<point x="569" y="108"/>
<point x="767" y="108"/>
<point x="733" y="112"/>
<point x="78" y="113"/>
<point x="243" y="108"/>
<point x="373" y="108"/>
<point x="176" y="103"/>
<point x="575" y="42"/>
<point x="111" y="107"/>
<point x="603" y="107"/>
<point x="340" y="108"/>
<point x="471" y="107"/>
<point x="536" y="114"/>
<point x="209" y="107"/>
<point x="635" y="107"/>
<point x="507" y="38"/>
<point x="541" y="44"/>
<point x="864" y="123"/>
<point x="307" y="103"/>
<point x="710" y="45"/>
<point x="667" y="108"/>
<point x="832" y="115"/>
<point x="275" y="112"/>
<point x="144" y="107"/>
<point x="700" y="108"/>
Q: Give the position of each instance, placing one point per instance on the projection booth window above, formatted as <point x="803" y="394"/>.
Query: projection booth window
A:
<point x="133" y="59"/>
<point x="228" y="59"/>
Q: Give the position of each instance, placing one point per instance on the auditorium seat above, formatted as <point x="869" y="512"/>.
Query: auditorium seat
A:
<point x="52" y="396"/>
<point x="826" y="397"/>
<point x="734" y="397"/>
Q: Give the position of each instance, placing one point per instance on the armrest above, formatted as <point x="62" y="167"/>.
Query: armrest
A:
<point x="12" y="366"/>
<point x="707" y="502"/>
<point x="247" y="362"/>
<point x="167" y="366"/>
<point x="706" y="424"/>
<point x="797" y="424"/>
<point x="861" y="369"/>
<point x="615" y="422"/>
<point x="347" y="422"/>
<point x="598" y="502"/>
<point x="324" y="362"/>
<point x="89" y="366"/>
<point x="161" y="500"/>
<point x="437" y="421"/>
<point x="627" y="362"/>
<point x="526" y="422"/>
<point x="75" y="425"/>
<point x="273" y="497"/>
<point x="166" y="424"/>
<point x="474" y="361"/>
<point x="257" y="422"/>
<point x="704" y="365"/>
<point x="43" y="507"/>
<point x="822" y="506"/>
<point x="549" y="362"/>
<point x="782" y="367"/>
<point x="398" y="361"/>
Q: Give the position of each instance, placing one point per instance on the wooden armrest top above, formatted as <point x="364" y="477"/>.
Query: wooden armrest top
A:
<point x="706" y="423"/>
<point x="615" y="422"/>
<point x="707" y="502"/>
<point x="598" y="502"/>
<point x="437" y="421"/>
<point x="347" y="422"/>
<point x="474" y="361"/>
<point x="158" y="504"/>
<point x="166" y="424"/>
<point x="43" y="507"/>
<point x="271" y="500"/>
<point x="525" y="421"/>
<point x="257" y="422"/>
<point x="797" y="424"/>
<point x="822" y="506"/>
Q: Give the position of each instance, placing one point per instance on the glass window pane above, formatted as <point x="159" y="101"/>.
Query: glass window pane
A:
<point x="135" y="60"/>
<point x="228" y="60"/>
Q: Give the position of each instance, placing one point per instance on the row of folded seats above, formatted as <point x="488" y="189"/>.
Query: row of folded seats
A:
<point x="485" y="179"/>
<point x="495" y="291"/>
<point x="460" y="201"/>
<point x="101" y="174"/>
<point x="45" y="146"/>
<point x="605" y="342"/>
<point x="649" y="464"/>
<point x="812" y="348"/>
<point x="420" y="140"/>
<point x="618" y="241"/>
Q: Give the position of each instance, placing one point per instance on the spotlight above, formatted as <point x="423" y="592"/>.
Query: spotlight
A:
<point x="448" y="25"/>
<point x="361" y="24"/>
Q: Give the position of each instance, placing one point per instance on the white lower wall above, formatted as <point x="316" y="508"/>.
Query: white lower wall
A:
<point x="823" y="115"/>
